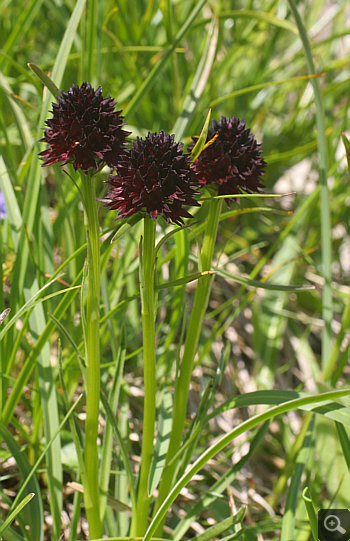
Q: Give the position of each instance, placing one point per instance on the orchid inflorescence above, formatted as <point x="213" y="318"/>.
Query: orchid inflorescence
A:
<point x="154" y="176"/>
<point x="150" y="177"/>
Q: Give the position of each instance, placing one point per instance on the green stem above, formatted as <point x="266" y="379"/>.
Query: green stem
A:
<point x="140" y="514"/>
<point x="91" y="326"/>
<point x="192" y="338"/>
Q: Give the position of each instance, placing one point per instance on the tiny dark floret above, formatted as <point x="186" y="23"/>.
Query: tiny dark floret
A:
<point x="154" y="177"/>
<point x="84" y="130"/>
<point x="233" y="161"/>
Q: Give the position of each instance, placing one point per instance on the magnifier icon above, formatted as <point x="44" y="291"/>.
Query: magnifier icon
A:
<point x="332" y="524"/>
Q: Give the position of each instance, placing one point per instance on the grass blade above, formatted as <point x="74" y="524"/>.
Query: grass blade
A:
<point x="219" y="486"/>
<point x="198" y="147"/>
<point x="344" y="442"/>
<point x="199" y="81"/>
<point x="261" y="86"/>
<point x="113" y="400"/>
<point x="327" y="310"/>
<point x="123" y="451"/>
<point x="30" y="362"/>
<point x="15" y="512"/>
<point x="221" y="527"/>
<point x="310" y="508"/>
<point x="44" y="451"/>
<point x="45" y="79"/>
<point x="22" y="24"/>
<point x="227" y="438"/>
<point x="33" y="514"/>
<point x="162" y="443"/>
<point x="289" y="516"/>
<point x="146" y="85"/>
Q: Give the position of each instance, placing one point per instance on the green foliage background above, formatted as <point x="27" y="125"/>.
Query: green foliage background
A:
<point x="167" y="63"/>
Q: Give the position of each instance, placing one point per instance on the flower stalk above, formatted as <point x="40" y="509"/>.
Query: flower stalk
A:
<point x="91" y="327"/>
<point x="140" y="514"/>
<point x="192" y="338"/>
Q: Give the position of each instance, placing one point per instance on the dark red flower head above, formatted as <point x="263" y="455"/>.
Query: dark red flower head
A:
<point x="233" y="161"/>
<point x="84" y="130"/>
<point x="155" y="177"/>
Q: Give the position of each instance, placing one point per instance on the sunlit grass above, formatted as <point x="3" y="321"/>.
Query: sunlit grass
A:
<point x="265" y="353"/>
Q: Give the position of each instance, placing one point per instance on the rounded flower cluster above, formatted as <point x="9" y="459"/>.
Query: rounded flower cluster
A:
<point x="84" y="130"/>
<point x="233" y="161"/>
<point x="155" y="177"/>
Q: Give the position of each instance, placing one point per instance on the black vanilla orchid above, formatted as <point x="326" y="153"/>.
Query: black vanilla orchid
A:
<point x="154" y="177"/>
<point x="84" y="130"/>
<point x="233" y="161"/>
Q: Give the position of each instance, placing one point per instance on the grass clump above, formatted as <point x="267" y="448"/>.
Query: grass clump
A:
<point x="176" y="367"/>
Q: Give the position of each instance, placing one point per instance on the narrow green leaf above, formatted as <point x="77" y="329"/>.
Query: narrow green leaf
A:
<point x="162" y="443"/>
<point x="331" y="364"/>
<point x="31" y="303"/>
<point x="171" y="233"/>
<point x="332" y="410"/>
<point x="227" y="438"/>
<point x="20" y="118"/>
<point x="132" y="538"/>
<point x="75" y="515"/>
<point x="22" y="23"/>
<point x="123" y="452"/>
<point x="310" y="508"/>
<point x="31" y="361"/>
<point x="199" y="421"/>
<point x="221" y="527"/>
<point x="11" y="535"/>
<point x="244" y="195"/>
<point x="45" y="79"/>
<point x="199" y="82"/>
<point x="263" y="285"/>
<point x="289" y="515"/>
<point x="44" y="451"/>
<point x="34" y="176"/>
<point x="198" y="147"/>
<point x="184" y="280"/>
<point x="263" y="16"/>
<point x="73" y="425"/>
<point x="207" y="498"/>
<point x="33" y="514"/>
<point x="92" y="63"/>
<point x="22" y="274"/>
<point x="346" y="143"/>
<point x="331" y="464"/>
<point x="67" y="335"/>
<point x="148" y="82"/>
<point x="261" y="86"/>
<point x="15" y="512"/>
<point x="113" y="400"/>
<point x="344" y="441"/>
<point x="327" y="309"/>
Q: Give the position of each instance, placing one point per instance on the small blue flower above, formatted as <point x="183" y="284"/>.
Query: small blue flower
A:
<point x="2" y="207"/>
